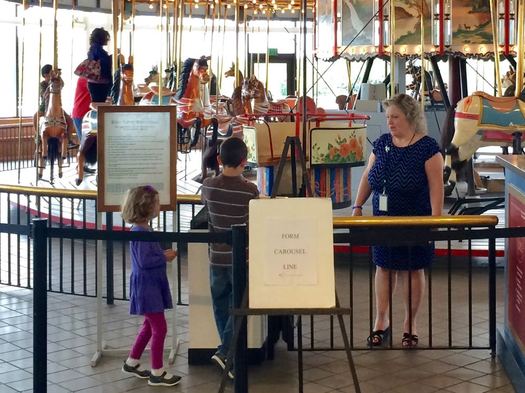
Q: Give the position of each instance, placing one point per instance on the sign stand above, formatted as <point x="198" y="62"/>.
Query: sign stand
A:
<point x="293" y="144"/>
<point x="241" y="311"/>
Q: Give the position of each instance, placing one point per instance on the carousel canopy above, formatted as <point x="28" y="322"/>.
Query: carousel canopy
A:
<point x="279" y="9"/>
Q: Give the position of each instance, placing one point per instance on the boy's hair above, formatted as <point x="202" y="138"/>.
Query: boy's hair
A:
<point x="46" y="70"/>
<point x="233" y="152"/>
<point x="139" y="204"/>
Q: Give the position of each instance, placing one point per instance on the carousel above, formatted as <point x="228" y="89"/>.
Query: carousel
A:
<point x="296" y="147"/>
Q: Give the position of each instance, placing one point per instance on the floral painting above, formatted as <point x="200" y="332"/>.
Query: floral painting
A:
<point x="333" y="146"/>
<point x="250" y="139"/>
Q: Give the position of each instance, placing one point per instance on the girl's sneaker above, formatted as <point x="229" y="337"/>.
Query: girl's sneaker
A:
<point x="164" y="380"/>
<point x="127" y="369"/>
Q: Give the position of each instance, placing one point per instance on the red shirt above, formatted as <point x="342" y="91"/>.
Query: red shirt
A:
<point x="82" y="99"/>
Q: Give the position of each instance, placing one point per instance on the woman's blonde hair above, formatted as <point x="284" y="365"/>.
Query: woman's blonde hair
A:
<point x="412" y="110"/>
<point x="139" y="204"/>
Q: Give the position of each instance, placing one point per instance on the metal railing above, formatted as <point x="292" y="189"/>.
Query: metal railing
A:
<point x="72" y="262"/>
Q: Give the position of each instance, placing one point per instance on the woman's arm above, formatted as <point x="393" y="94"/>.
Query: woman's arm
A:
<point x="364" y="190"/>
<point x="434" y="171"/>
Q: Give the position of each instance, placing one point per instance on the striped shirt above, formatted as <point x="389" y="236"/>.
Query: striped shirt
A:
<point x="226" y="198"/>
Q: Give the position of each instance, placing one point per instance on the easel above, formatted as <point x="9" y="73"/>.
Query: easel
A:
<point x="292" y="146"/>
<point x="241" y="312"/>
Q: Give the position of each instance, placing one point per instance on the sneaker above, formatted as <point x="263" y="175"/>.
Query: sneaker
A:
<point x="127" y="369"/>
<point x="220" y="360"/>
<point x="164" y="380"/>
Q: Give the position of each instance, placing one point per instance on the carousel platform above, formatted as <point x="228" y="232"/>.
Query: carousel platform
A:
<point x="188" y="168"/>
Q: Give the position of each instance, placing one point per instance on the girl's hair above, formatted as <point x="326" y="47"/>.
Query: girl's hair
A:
<point x="412" y="110"/>
<point x="139" y="204"/>
<point x="99" y="36"/>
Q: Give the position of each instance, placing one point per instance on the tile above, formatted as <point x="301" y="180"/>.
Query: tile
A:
<point x="467" y="387"/>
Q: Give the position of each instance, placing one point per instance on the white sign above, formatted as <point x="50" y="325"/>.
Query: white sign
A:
<point x="137" y="151"/>
<point x="291" y="262"/>
<point x="136" y="146"/>
<point x="292" y="257"/>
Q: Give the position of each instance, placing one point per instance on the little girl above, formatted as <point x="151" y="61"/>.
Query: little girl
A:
<point x="149" y="287"/>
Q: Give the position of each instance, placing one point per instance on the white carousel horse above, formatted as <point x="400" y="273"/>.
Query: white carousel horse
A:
<point x="483" y="120"/>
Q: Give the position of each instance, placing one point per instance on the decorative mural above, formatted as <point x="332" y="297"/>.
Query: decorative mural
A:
<point x="338" y="146"/>
<point x="408" y="22"/>
<point x="355" y="15"/>
<point x="471" y="22"/>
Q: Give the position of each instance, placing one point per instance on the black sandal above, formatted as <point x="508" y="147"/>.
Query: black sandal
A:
<point x="409" y="340"/>
<point x="378" y="337"/>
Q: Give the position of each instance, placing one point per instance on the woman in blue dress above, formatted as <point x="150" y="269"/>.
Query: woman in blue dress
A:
<point x="404" y="175"/>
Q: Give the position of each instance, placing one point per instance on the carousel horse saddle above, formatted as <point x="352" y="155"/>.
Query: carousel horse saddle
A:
<point x="502" y="116"/>
<point x="47" y="122"/>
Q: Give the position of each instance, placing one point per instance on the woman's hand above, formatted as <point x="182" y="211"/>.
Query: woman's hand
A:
<point x="357" y="211"/>
<point x="170" y="255"/>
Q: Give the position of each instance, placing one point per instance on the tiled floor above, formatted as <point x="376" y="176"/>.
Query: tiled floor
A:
<point x="72" y="338"/>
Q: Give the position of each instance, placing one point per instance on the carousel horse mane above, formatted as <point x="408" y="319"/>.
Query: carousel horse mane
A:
<point x="153" y="75"/>
<point x="252" y="88"/>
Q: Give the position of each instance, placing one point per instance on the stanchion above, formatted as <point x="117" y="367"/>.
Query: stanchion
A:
<point x="39" y="233"/>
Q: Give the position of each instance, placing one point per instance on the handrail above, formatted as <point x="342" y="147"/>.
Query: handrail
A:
<point x="339" y="222"/>
<point x="415" y="221"/>
<point x="85" y="194"/>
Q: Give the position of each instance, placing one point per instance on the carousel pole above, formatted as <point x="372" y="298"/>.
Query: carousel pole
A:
<point x="224" y="16"/>
<point x="180" y="30"/>
<point x="422" y="54"/>
<point x="392" y="49"/>
<point x="213" y="16"/>
<point x="246" y="48"/>
<point x="174" y="35"/>
<point x="132" y="34"/>
<point x="38" y="89"/>
<point x="20" y="100"/>
<point x="520" y="52"/>
<point x="267" y="65"/>
<point x="495" y="40"/>
<point x="161" y="70"/>
<point x="237" y="81"/>
<point x="115" y="12"/>
<point x="55" y="34"/>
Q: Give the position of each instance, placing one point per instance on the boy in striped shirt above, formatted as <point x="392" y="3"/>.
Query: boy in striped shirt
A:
<point x="226" y="196"/>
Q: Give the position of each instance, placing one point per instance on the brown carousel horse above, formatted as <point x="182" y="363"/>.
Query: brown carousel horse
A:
<point x="253" y="89"/>
<point x="194" y="112"/>
<point x="87" y="153"/>
<point x="481" y="120"/>
<point x="53" y="129"/>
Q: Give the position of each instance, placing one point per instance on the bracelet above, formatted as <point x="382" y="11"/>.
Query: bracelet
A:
<point x="357" y="207"/>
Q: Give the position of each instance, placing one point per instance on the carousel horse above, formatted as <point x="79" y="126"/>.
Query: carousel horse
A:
<point x="53" y="129"/>
<point x="87" y="153"/>
<point x="194" y="112"/>
<point x="481" y="120"/>
<point x="253" y="89"/>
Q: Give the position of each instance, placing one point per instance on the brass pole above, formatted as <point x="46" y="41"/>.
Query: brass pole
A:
<point x="392" y="49"/>
<point x="132" y="34"/>
<point x="161" y="70"/>
<point x="237" y="81"/>
<point x="115" y="13"/>
<point x="181" y="30"/>
<point x="495" y="43"/>
<point x="21" y="93"/>
<point x="245" y="26"/>
<point x="224" y="17"/>
<point x="521" y="49"/>
<point x="55" y="34"/>
<point x="422" y="54"/>
<point x="38" y="81"/>
<point x="267" y="65"/>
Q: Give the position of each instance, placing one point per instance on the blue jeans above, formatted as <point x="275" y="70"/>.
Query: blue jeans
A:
<point x="78" y="126"/>
<point x="222" y="300"/>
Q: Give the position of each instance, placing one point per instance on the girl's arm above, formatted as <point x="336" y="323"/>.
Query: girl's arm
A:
<point x="434" y="171"/>
<point x="364" y="190"/>
<point x="150" y="254"/>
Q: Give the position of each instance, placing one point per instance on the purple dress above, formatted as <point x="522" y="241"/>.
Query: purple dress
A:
<point x="149" y="286"/>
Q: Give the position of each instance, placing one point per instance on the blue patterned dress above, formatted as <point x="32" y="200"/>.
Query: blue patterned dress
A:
<point x="400" y="172"/>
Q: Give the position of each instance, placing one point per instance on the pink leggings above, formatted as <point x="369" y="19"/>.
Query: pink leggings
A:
<point x="154" y="328"/>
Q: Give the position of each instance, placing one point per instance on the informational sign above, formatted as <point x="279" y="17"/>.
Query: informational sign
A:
<point x="137" y="145"/>
<point x="291" y="253"/>
<point x="516" y="268"/>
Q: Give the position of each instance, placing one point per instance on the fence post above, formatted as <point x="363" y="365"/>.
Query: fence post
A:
<point x="492" y="294"/>
<point x="239" y="287"/>
<point x="39" y="232"/>
<point x="109" y="262"/>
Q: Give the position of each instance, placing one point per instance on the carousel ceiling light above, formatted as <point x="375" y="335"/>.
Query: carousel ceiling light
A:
<point x="292" y="2"/>
<point x="211" y="6"/>
<point x="255" y="12"/>
<point x="245" y="6"/>
<point x="260" y="6"/>
<point x="151" y="6"/>
<point x="293" y="11"/>
<point x="282" y="11"/>
<point x="229" y="6"/>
